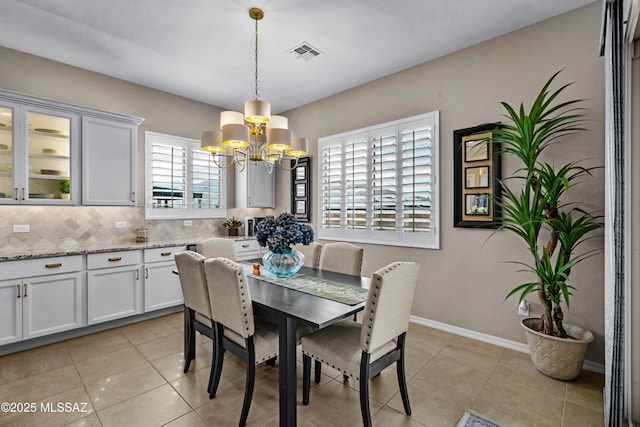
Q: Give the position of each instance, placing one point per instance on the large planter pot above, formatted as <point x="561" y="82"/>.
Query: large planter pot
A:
<point x="559" y="358"/>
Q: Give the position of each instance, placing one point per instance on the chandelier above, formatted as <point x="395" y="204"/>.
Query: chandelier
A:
<point x="255" y="135"/>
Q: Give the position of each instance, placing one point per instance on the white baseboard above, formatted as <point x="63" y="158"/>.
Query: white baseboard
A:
<point x="500" y="342"/>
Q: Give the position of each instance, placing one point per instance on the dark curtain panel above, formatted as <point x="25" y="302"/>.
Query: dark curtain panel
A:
<point x="615" y="393"/>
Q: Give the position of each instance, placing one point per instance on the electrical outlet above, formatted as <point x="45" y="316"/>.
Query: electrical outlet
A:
<point x="21" y="228"/>
<point x="121" y="224"/>
<point x="188" y="223"/>
<point x="523" y="308"/>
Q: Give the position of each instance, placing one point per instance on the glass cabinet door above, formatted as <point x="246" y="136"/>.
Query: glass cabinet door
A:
<point x="48" y="156"/>
<point x="7" y="184"/>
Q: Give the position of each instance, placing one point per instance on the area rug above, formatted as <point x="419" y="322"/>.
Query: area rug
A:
<point x="474" y="420"/>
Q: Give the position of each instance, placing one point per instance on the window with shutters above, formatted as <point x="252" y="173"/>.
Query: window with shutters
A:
<point x="378" y="185"/>
<point x="182" y="180"/>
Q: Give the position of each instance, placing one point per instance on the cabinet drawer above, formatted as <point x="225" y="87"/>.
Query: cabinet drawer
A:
<point x="113" y="259"/>
<point x="40" y="266"/>
<point x="162" y="254"/>
<point x="247" y="249"/>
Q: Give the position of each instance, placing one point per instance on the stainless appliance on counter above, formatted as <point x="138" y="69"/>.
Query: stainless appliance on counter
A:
<point x="249" y="226"/>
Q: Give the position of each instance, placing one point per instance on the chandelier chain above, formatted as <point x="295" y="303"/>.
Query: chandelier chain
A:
<point x="256" y="83"/>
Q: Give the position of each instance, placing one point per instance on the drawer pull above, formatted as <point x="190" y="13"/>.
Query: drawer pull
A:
<point x="165" y="253"/>
<point x="115" y="258"/>
<point x="245" y="245"/>
<point x="56" y="265"/>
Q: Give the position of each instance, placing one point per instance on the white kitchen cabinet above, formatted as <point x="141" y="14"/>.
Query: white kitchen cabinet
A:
<point x="247" y="249"/>
<point x="255" y="187"/>
<point x="109" y="162"/>
<point x="10" y="311"/>
<point x="161" y="286"/>
<point x="39" y="150"/>
<point x="114" y="285"/>
<point x="50" y="301"/>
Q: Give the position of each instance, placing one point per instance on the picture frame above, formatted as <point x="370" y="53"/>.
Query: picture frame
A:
<point x="477" y="173"/>
<point x="477" y="177"/>
<point x="300" y="187"/>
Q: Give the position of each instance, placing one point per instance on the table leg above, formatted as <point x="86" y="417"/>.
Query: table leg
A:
<point x="287" y="371"/>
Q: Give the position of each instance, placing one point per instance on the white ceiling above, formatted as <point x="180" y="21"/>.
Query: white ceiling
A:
<point x="204" y="49"/>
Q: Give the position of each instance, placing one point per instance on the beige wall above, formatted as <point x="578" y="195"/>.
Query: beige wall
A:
<point x="463" y="283"/>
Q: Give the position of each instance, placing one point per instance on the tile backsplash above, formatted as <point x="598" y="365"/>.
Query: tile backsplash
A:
<point x="60" y="227"/>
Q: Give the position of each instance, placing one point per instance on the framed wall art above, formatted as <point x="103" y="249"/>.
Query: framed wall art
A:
<point x="477" y="173"/>
<point x="300" y="190"/>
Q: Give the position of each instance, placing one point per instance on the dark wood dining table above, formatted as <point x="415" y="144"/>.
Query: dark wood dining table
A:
<point x="287" y="308"/>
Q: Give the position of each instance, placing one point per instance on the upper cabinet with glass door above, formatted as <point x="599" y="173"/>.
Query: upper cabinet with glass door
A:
<point x="40" y="146"/>
<point x="6" y="153"/>
<point x="39" y="150"/>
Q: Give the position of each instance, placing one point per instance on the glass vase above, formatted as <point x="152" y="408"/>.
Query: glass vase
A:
<point x="283" y="265"/>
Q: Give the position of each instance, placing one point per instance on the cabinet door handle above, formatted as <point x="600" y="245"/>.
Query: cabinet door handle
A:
<point x="137" y="274"/>
<point x="146" y="273"/>
<point x="18" y="286"/>
<point x="165" y="254"/>
<point x="133" y="196"/>
<point x="56" y="265"/>
<point x="17" y="193"/>
<point x="25" y="290"/>
<point x="245" y="245"/>
<point x="23" y="197"/>
<point x="115" y="258"/>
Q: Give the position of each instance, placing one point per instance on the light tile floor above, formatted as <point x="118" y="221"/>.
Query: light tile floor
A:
<point x="132" y="376"/>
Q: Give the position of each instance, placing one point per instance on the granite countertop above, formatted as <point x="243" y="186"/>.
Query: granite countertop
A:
<point x="15" y="254"/>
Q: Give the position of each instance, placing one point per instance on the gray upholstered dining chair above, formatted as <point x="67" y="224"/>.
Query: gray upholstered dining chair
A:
<point x="364" y="350"/>
<point x="216" y="247"/>
<point x="341" y="257"/>
<point x="311" y="253"/>
<point x="197" y="309"/>
<point x="235" y="327"/>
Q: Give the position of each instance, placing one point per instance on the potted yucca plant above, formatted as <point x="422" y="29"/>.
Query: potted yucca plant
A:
<point x="553" y="230"/>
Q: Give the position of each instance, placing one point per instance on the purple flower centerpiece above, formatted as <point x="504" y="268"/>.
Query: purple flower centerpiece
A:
<point x="278" y="235"/>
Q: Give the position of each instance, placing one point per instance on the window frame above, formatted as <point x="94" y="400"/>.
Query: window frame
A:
<point x="398" y="237"/>
<point x="189" y="212"/>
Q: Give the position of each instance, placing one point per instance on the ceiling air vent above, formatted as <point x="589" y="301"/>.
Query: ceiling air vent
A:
<point x="305" y="51"/>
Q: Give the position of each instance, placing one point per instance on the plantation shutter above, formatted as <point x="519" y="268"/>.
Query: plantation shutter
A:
<point x="205" y="181"/>
<point x="168" y="176"/>
<point x="182" y="180"/>
<point x="355" y="178"/>
<point x="331" y="216"/>
<point x="384" y="181"/>
<point x="378" y="184"/>
<point x="416" y="180"/>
